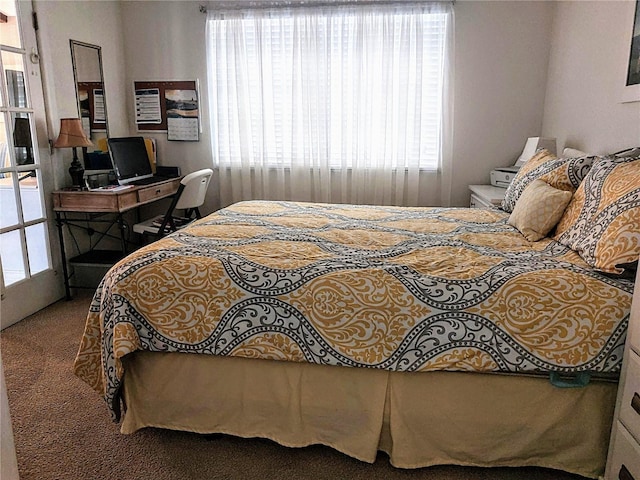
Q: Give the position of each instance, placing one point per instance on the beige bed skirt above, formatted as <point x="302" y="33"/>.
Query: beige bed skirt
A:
<point x="419" y="419"/>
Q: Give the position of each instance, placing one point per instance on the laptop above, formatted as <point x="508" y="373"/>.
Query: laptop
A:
<point x="131" y="162"/>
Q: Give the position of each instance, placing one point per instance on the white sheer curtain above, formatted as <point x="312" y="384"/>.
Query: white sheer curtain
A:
<point x="341" y="104"/>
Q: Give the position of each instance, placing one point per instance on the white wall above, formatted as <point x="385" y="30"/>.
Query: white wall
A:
<point x="94" y="22"/>
<point x="502" y="52"/>
<point x="501" y="61"/>
<point x="523" y="68"/>
<point x="97" y="23"/>
<point x="166" y="41"/>
<point x="591" y="42"/>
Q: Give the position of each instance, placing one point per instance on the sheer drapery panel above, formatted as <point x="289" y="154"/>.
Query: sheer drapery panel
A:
<point x="340" y="104"/>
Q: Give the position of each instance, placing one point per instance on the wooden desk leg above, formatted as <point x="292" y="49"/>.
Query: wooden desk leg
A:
<point x="65" y="271"/>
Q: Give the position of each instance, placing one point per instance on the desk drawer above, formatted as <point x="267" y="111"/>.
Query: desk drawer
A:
<point x="94" y="201"/>
<point x="152" y="192"/>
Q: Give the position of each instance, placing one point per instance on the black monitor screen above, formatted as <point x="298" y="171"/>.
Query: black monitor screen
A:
<point x="130" y="159"/>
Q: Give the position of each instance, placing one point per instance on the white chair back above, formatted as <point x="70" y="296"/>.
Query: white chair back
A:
<point x="195" y="189"/>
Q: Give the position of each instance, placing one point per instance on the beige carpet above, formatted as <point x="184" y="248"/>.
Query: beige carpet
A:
<point x="62" y="428"/>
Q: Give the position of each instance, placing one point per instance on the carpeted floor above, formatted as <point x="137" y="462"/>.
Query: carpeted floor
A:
<point x="62" y="428"/>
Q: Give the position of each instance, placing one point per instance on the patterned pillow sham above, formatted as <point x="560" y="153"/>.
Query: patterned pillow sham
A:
<point x="538" y="210"/>
<point x="602" y="221"/>
<point x="629" y="152"/>
<point x="561" y="173"/>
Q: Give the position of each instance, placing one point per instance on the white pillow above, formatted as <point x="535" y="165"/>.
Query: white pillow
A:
<point x="572" y="152"/>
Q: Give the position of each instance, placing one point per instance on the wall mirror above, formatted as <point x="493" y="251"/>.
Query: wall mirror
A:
<point x="91" y="98"/>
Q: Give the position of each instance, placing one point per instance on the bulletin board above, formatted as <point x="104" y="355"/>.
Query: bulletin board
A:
<point x="169" y="106"/>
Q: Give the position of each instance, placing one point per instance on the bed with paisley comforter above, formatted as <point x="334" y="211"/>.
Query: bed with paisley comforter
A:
<point x="429" y="333"/>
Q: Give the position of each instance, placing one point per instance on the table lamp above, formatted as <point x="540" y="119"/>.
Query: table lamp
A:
<point x="22" y="137"/>
<point x="72" y="136"/>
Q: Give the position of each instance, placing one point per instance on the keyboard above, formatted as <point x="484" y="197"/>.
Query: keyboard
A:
<point x="149" y="180"/>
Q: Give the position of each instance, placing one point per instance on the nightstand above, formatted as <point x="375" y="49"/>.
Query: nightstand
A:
<point x="624" y="450"/>
<point x="486" y="196"/>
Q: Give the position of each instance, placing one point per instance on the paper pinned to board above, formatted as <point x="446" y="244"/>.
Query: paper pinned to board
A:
<point x="148" y="106"/>
<point x="99" y="115"/>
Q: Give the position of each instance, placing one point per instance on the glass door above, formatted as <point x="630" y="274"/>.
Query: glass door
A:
<point x="28" y="280"/>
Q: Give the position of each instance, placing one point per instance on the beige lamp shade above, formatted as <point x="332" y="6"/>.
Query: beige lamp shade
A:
<point x="71" y="134"/>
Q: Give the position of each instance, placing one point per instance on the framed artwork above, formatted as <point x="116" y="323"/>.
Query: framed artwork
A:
<point x="631" y="91"/>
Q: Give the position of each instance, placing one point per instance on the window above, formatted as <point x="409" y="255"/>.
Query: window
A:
<point x="340" y="88"/>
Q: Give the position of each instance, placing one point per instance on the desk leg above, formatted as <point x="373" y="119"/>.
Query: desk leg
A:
<point x="65" y="271"/>
<point x="122" y="228"/>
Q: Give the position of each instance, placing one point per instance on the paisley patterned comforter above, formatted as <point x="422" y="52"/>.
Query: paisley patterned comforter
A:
<point x="401" y="289"/>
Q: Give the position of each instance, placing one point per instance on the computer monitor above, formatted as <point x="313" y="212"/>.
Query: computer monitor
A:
<point x="130" y="159"/>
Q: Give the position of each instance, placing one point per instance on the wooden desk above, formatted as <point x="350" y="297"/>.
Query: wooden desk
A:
<point x="97" y="206"/>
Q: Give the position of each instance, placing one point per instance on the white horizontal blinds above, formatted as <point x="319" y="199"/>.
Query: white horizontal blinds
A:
<point x="341" y="87"/>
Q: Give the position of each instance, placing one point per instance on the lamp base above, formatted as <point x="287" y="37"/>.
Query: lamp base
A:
<point x="77" y="173"/>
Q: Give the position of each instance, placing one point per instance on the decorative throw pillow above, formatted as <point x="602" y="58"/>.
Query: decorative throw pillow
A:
<point x="573" y="152"/>
<point x="561" y="173"/>
<point x="629" y="152"/>
<point x="602" y="221"/>
<point x="538" y="209"/>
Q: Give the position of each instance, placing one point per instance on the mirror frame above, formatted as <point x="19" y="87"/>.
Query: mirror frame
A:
<point x="74" y="44"/>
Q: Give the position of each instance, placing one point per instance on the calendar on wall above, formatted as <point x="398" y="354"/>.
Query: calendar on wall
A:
<point x="171" y="106"/>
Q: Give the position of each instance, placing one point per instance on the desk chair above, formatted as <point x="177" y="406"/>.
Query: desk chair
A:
<point x="189" y="197"/>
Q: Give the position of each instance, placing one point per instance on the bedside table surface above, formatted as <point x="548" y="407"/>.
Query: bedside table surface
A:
<point x="495" y="195"/>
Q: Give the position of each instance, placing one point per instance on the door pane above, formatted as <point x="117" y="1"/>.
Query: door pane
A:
<point x="12" y="257"/>
<point x="30" y="196"/>
<point x="22" y="143"/>
<point x="9" y="33"/>
<point x="14" y="73"/>
<point x="9" y="210"/>
<point x="37" y="248"/>
<point x="5" y="160"/>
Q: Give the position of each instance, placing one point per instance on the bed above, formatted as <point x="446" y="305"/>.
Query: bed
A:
<point x="437" y="335"/>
